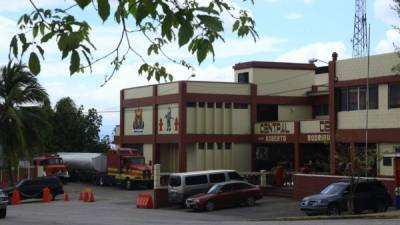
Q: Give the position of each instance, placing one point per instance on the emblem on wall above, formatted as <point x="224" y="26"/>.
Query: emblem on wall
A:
<point x="138" y="123"/>
<point x="170" y="121"/>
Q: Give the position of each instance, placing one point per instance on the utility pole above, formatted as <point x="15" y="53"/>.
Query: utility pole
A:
<point x="360" y="29"/>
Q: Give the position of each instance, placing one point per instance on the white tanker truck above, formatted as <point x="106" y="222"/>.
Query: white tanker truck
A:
<point x="124" y="166"/>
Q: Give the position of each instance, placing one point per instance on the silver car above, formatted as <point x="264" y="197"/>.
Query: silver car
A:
<point x="3" y="204"/>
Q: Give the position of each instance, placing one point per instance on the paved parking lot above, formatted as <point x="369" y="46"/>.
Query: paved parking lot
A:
<point x="115" y="206"/>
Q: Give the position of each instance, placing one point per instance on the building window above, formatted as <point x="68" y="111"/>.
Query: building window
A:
<point x="201" y="104"/>
<point x="267" y="112"/>
<point x="243" y="77"/>
<point x="320" y="110"/>
<point x="191" y="104"/>
<point x="355" y="98"/>
<point x="210" y="145"/>
<point x="227" y="145"/>
<point x="219" y="145"/>
<point x="394" y="95"/>
<point x="201" y="145"/>
<point x="387" y="161"/>
<point x="240" y="105"/>
<point x="228" y="105"/>
<point x="218" y="105"/>
<point x="397" y="149"/>
<point x="210" y="105"/>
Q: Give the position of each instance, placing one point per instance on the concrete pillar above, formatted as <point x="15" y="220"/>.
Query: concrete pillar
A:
<point x="263" y="178"/>
<point x="156" y="175"/>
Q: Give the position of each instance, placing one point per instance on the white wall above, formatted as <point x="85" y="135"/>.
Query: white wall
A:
<point x="168" y="88"/>
<point x="169" y="158"/>
<point x="241" y="157"/>
<point x="294" y="112"/>
<point x="148" y="153"/>
<point x="383" y="149"/>
<point x="218" y="88"/>
<point x="356" y="68"/>
<point x="138" y="92"/>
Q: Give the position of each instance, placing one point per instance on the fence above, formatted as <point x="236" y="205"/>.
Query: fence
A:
<point x="17" y="174"/>
<point x="262" y="178"/>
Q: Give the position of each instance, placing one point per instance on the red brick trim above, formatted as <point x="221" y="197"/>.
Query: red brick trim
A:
<point x="121" y="116"/>
<point x="390" y="135"/>
<point x="274" y="65"/>
<point x="332" y="112"/>
<point x="282" y="100"/>
<point x="363" y="81"/>
<point x="182" y="126"/>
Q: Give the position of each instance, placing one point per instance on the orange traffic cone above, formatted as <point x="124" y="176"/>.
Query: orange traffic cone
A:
<point x="15" y="198"/>
<point x="86" y="196"/>
<point x="66" y="197"/>
<point x="91" y="197"/>
<point x="46" y="196"/>
<point x="81" y="196"/>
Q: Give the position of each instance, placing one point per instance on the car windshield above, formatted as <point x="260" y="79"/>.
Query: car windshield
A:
<point x="135" y="161"/>
<point x="214" y="189"/>
<point x="334" y="189"/>
<point x="54" y="161"/>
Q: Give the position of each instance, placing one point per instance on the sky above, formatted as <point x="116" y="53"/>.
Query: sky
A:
<point x="289" y="31"/>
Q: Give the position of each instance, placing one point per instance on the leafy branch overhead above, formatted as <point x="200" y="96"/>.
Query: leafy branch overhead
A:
<point x="162" y="22"/>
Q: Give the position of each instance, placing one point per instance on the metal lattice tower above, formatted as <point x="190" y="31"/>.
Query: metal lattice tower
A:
<point x="359" y="40"/>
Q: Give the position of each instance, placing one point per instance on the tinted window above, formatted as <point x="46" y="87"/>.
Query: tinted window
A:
<point x="228" y="105"/>
<point x="217" y="177"/>
<point x="387" y="161"/>
<point x="201" y="104"/>
<point x="227" y="188"/>
<point x="394" y="95"/>
<point x="241" y="186"/>
<point x="234" y="176"/>
<point x="210" y="145"/>
<point x="191" y="104"/>
<point x="175" y="181"/>
<point x="227" y="145"/>
<point x="219" y="145"/>
<point x="197" y="179"/>
<point x="243" y="77"/>
<point x="210" y="105"/>
<point x="218" y="105"/>
<point x="201" y="145"/>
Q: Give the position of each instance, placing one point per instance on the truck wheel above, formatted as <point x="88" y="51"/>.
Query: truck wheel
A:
<point x="128" y="184"/>
<point x="3" y="213"/>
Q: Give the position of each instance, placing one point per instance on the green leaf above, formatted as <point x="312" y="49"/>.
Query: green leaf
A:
<point x="235" y="26"/>
<point x="34" y="64"/>
<point x="42" y="27"/>
<point x="47" y="37"/>
<point x="75" y="62"/>
<point x="35" y="30"/>
<point x="22" y="38"/>
<point x="103" y="9"/>
<point x="83" y="3"/>
<point x="185" y="33"/>
<point x="40" y="49"/>
<point x="14" y="46"/>
<point x="213" y="23"/>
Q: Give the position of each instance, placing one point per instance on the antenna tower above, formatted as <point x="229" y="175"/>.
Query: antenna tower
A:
<point x="359" y="40"/>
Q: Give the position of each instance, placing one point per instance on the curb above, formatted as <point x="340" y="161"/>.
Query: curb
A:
<point x="361" y="216"/>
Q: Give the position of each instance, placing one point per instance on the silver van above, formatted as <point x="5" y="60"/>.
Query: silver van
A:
<point x="184" y="185"/>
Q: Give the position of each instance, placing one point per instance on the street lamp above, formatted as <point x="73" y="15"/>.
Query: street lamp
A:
<point x="314" y="60"/>
<point x="190" y="76"/>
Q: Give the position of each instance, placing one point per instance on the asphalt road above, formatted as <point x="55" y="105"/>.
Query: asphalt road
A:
<point x="115" y="206"/>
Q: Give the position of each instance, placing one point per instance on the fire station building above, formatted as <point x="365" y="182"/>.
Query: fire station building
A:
<point x="292" y="114"/>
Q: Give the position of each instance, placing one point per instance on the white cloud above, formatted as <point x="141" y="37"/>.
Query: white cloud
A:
<point x="294" y="16"/>
<point x="388" y="44"/>
<point x="383" y="10"/>
<point x="307" y="2"/>
<point x="319" y="50"/>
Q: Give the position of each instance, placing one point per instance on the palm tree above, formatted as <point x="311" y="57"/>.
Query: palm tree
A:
<point x="21" y="115"/>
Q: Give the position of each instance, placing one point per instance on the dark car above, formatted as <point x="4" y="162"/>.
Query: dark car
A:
<point x="226" y="194"/>
<point x="337" y="197"/>
<point x="3" y="204"/>
<point x="33" y="187"/>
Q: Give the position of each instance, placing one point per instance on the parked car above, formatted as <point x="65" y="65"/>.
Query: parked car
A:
<point x="336" y="198"/>
<point x="183" y="185"/>
<point x="33" y="187"/>
<point x="226" y="194"/>
<point x="3" y="204"/>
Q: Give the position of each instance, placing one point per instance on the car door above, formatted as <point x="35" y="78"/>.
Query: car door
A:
<point x="225" y="197"/>
<point x="362" y="199"/>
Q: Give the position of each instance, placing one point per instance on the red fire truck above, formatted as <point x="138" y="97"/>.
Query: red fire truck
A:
<point x="123" y="166"/>
<point x="52" y="164"/>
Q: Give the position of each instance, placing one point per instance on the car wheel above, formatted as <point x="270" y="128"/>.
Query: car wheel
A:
<point x="380" y="207"/>
<point x="250" y="201"/>
<point x="210" y="206"/>
<point x="128" y="184"/>
<point x="3" y="213"/>
<point x="333" y="210"/>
